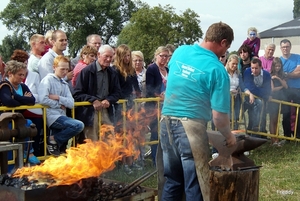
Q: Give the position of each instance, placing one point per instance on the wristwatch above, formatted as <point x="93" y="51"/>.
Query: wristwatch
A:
<point x="286" y="74"/>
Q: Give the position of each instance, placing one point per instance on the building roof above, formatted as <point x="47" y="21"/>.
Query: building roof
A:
<point x="291" y="28"/>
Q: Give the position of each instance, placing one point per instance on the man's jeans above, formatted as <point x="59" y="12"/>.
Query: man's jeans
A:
<point x="179" y="166"/>
<point x="254" y="112"/>
<point x="65" y="128"/>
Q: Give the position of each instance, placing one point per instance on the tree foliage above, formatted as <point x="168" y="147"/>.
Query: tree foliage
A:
<point x="27" y="17"/>
<point x="11" y="43"/>
<point x="296" y="10"/>
<point x="78" y="18"/>
<point x="103" y="17"/>
<point x="150" y="28"/>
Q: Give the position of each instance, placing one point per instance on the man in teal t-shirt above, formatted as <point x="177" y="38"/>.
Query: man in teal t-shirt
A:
<point x="198" y="86"/>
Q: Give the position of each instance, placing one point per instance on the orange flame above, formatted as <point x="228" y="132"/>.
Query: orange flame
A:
<point x="91" y="159"/>
<point x="86" y="160"/>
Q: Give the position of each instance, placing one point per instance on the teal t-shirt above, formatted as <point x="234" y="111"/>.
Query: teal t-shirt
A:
<point x="197" y="83"/>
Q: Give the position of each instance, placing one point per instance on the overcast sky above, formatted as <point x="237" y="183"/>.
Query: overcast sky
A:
<point x="240" y="15"/>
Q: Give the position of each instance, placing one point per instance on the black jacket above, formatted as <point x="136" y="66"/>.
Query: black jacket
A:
<point x="86" y="90"/>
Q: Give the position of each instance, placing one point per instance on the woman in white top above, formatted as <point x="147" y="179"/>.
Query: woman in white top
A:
<point x="233" y="73"/>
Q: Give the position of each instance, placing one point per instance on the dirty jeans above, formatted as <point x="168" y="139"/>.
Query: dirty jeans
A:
<point x="178" y="162"/>
<point x="65" y="128"/>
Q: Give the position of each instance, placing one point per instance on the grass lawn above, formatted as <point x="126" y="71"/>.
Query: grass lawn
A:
<point x="279" y="177"/>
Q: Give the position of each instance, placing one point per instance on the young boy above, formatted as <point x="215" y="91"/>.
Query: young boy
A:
<point x="55" y="93"/>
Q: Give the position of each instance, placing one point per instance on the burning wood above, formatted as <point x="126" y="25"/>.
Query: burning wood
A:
<point x="91" y="189"/>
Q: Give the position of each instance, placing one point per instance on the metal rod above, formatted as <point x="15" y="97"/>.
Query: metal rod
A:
<point x="248" y="168"/>
<point x="132" y="183"/>
<point x="139" y="182"/>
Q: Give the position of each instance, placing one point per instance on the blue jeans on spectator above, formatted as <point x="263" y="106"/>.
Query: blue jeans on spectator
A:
<point x="254" y="111"/>
<point x="179" y="166"/>
<point x="64" y="128"/>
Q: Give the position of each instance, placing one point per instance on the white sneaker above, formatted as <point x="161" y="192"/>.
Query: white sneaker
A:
<point x="215" y="155"/>
<point x="246" y="153"/>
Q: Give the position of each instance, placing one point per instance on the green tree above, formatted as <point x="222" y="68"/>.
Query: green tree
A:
<point x="296" y="10"/>
<point x="78" y="18"/>
<point x="150" y="28"/>
<point x="28" y="17"/>
<point x="102" y="17"/>
<point x="10" y="43"/>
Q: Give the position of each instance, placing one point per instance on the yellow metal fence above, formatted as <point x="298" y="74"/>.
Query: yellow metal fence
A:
<point x="242" y="120"/>
<point x="137" y="102"/>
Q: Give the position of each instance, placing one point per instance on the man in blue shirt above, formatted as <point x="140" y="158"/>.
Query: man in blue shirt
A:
<point x="198" y="86"/>
<point x="291" y="69"/>
<point x="258" y="82"/>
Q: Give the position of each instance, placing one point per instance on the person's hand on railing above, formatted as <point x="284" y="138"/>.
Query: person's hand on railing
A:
<point x="105" y="103"/>
<point x="162" y="95"/>
<point x="97" y="105"/>
<point x="251" y="96"/>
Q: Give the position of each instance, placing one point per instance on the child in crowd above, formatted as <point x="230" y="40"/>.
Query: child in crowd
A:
<point x="54" y="92"/>
<point x="253" y="41"/>
<point x="278" y="85"/>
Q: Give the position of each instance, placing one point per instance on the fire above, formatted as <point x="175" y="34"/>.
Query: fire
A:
<point x="91" y="159"/>
<point x="86" y="160"/>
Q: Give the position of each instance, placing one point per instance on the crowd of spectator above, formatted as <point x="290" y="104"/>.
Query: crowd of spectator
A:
<point x="102" y="75"/>
<point x="262" y="79"/>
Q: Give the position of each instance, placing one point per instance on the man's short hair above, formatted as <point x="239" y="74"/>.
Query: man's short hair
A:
<point x="271" y="45"/>
<point x="218" y="32"/>
<point x="35" y="37"/>
<point x="54" y="34"/>
<point x="256" y="61"/>
<point x="104" y="48"/>
<point x="89" y="37"/>
<point x="285" y="41"/>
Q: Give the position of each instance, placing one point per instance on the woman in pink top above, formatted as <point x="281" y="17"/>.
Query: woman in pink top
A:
<point x="88" y="54"/>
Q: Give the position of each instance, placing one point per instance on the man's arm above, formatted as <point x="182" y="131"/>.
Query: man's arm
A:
<point x="294" y="74"/>
<point x="44" y="92"/>
<point x="222" y="122"/>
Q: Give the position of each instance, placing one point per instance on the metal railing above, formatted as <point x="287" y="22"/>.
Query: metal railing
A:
<point x="79" y="104"/>
<point x="242" y="120"/>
